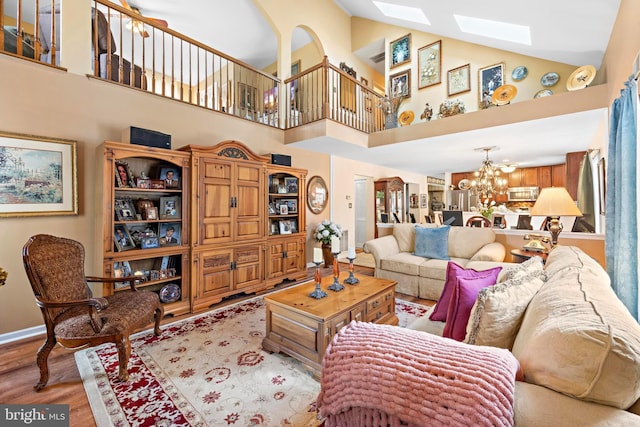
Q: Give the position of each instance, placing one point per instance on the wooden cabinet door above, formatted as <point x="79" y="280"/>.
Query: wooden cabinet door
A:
<point x="215" y="183"/>
<point x="529" y="177"/>
<point x="275" y="258"/>
<point x="294" y="250"/>
<point x="544" y="177"/>
<point x="574" y="161"/>
<point x="515" y="178"/>
<point x="214" y="274"/>
<point x="248" y="203"/>
<point x="247" y="266"/>
<point x="559" y="175"/>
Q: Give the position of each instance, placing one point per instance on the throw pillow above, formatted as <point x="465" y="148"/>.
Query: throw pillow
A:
<point x="462" y="300"/>
<point x="498" y="311"/>
<point x="530" y="266"/>
<point x="432" y="242"/>
<point x="454" y="271"/>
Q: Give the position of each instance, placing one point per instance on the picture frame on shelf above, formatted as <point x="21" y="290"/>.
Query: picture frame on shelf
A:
<point x="150" y="213"/>
<point x="156" y="184"/>
<point x="284" y="209"/>
<point x="292" y="205"/>
<point x="489" y="79"/>
<point x="125" y="210"/>
<point x="122" y="238"/>
<point x="459" y="80"/>
<point x="121" y="269"/>
<point x="400" y="51"/>
<point x="45" y="164"/>
<point x="285" y="226"/>
<point x="123" y="175"/>
<point x="170" y="207"/>
<point x="294" y="225"/>
<point x="291" y="184"/>
<point x="275" y="230"/>
<point x="400" y="84"/>
<point x="170" y="233"/>
<point x="430" y="65"/>
<point x="143" y="183"/>
<point x="272" y="209"/>
<point x="170" y="175"/>
<point x="149" y="242"/>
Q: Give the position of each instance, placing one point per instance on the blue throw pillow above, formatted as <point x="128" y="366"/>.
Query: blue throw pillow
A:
<point x="432" y="242"/>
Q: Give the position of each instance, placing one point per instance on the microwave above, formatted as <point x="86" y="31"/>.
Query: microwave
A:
<point x="522" y="194"/>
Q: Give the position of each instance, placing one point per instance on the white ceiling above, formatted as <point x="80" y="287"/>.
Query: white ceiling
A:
<point x="569" y="31"/>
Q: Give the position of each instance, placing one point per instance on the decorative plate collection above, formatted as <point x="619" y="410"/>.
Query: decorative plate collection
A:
<point x="170" y="293"/>
<point x="406" y="117"/>
<point x="549" y="79"/>
<point x="542" y="93"/>
<point x="581" y="77"/>
<point x="464" y="184"/>
<point x="519" y="73"/>
<point x="504" y="94"/>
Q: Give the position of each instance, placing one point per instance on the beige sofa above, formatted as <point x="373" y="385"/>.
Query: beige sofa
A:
<point x="469" y="247"/>
<point x="578" y="347"/>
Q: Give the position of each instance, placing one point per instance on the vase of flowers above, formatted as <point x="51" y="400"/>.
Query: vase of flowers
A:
<point x="390" y="107"/>
<point x="486" y="209"/>
<point x="323" y="233"/>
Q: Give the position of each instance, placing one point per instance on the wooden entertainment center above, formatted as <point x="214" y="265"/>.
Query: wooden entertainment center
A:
<point x="237" y="227"/>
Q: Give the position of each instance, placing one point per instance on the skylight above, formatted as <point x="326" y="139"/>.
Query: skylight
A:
<point x="406" y="13"/>
<point x="496" y="30"/>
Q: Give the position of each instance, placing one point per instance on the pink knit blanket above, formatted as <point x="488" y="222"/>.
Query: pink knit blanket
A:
<point x="379" y="375"/>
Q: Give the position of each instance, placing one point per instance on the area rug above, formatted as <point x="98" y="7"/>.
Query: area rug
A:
<point x="207" y="370"/>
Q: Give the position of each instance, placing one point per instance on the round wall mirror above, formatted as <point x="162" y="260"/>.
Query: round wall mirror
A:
<point x="317" y="194"/>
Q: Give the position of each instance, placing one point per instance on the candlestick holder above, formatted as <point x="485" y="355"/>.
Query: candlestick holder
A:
<point x="351" y="280"/>
<point x="318" y="293"/>
<point x="336" y="285"/>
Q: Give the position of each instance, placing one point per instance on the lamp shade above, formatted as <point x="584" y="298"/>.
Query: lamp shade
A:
<point x="555" y="201"/>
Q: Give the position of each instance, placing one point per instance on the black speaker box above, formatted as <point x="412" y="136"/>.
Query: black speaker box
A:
<point x="150" y="138"/>
<point x="281" y="159"/>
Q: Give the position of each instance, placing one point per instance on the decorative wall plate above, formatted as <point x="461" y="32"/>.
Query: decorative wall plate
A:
<point x="581" y="77"/>
<point x="406" y="117"/>
<point x="542" y="93"/>
<point x="549" y="79"/>
<point x="464" y="184"/>
<point x="504" y="94"/>
<point x="519" y="73"/>
<point x="170" y="293"/>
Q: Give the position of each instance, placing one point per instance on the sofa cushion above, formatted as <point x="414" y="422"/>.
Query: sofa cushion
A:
<point x="405" y="235"/>
<point x="464" y="242"/>
<point x="402" y="262"/>
<point x="454" y="271"/>
<point x="463" y="297"/>
<point x="497" y="313"/>
<point x="437" y="268"/>
<point x="432" y="242"/>
<point x="577" y="337"/>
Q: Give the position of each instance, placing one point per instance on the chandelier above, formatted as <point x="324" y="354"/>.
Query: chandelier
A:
<point x="488" y="183"/>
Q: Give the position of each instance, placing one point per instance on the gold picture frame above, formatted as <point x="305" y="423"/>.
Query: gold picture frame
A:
<point x="317" y="194"/>
<point x="400" y="51"/>
<point x="52" y="190"/>
<point x="430" y="65"/>
<point x="489" y="79"/>
<point x="459" y="80"/>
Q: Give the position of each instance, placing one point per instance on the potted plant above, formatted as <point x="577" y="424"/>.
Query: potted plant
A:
<point x="323" y="233"/>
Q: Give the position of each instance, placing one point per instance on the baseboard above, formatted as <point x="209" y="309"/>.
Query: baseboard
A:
<point x="22" y="334"/>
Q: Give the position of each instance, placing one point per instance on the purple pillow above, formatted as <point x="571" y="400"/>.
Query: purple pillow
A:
<point x="463" y="297"/>
<point x="454" y="271"/>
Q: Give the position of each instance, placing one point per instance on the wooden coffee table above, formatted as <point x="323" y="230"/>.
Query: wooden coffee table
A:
<point x="302" y="326"/>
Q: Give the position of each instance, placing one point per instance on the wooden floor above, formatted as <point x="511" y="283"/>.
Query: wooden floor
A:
<point x="18" y="370"/>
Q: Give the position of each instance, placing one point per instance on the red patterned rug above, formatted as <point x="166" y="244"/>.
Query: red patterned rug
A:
<point x="207" y="370"/>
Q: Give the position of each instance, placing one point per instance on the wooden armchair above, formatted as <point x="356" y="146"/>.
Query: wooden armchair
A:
<point x="479" y="221"/>
<point x="72" y="316"/>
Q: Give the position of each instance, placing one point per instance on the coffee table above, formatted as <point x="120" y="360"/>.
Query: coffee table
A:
<point x="302" y="326"/>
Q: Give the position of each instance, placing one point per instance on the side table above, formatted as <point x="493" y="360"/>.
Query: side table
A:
<point x="521" y="255"/>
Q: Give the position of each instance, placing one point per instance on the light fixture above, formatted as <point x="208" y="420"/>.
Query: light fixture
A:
<point x="507" y="168"/>
<point x="554" y="202"/>
<point x="488" y="182"/>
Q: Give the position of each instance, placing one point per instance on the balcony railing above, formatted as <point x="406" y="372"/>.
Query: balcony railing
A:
<point x="135" y="51"/>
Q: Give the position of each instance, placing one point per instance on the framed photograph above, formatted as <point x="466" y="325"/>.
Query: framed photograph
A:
<point x="156" y="184"/>
<point x="317" y="194"/>
<point x="149" y="242"/>
<point x="430" y="65"/>
<point x="400" y="51"/>
<point x="274" y="228"/>
<point x="143" y="183"/>
<point x="272" y="209"/>
<point x="125" y="210"/>
<point x="424" y="201"/>
<point x="489" y="79"/>
<point x="170" y="207"/>
<point x="124" y="177"/>
<point x="150" y="213"/>
<point x="602" y="186"/>
<point x="39" y="176"/>
<point x="292" y="205"/>
<point x="294" y="225"/>
<point x="284" y="209"/>
<point x="122" y="238"/>
<point x="400" y="84"/>
<point x="121" y="269"/>
<point x="459" y="80"/>
<point x="170" y="176"/>
<point x="285" y="227"/>
<point x="291" y="184"/>
<point x="170" y="233"/>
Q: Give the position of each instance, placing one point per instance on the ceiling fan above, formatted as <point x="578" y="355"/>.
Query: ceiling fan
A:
<point x="139" y="25"/>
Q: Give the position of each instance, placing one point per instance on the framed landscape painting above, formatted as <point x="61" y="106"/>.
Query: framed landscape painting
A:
<point x="459" y="80"/>
<point x="489" y="79"/>
<point x="430" y="65"/>
<point x="38" y="176"/>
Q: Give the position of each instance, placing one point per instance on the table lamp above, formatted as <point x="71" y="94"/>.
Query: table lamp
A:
<point x="554" y="202"/>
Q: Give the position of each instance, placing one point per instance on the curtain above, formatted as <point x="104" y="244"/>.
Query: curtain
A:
<point x="621" y="238"/>
<point x="585" y="194"/>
